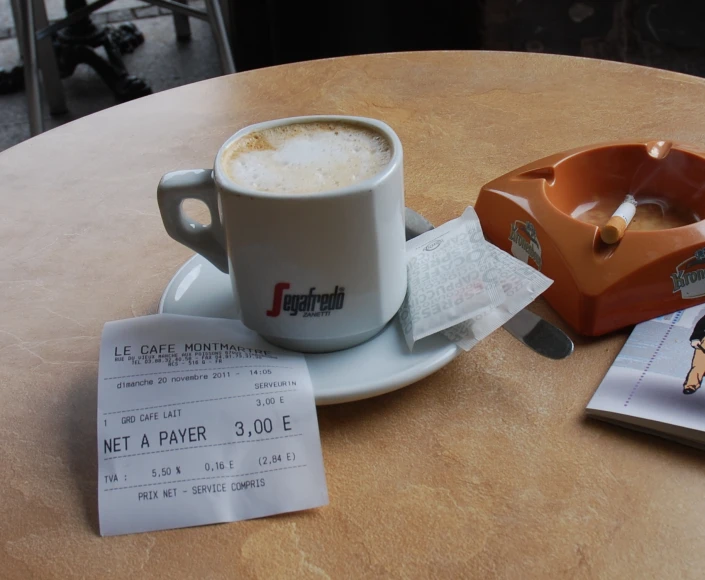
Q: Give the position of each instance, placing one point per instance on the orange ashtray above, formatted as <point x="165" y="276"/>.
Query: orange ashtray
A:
<point x="549" y="213"/>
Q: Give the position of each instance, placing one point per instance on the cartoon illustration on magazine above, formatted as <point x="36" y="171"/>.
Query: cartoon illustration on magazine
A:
<point x="697" y="368"/>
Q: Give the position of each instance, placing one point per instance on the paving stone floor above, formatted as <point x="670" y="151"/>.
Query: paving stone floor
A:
<point x="162" y="61"/>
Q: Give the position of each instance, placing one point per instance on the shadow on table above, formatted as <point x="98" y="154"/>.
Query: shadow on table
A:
<point x="345" y="420"/>
<point x="376" y="411"/>
<point x="82" y="440"/>
<point x="641" y="440"/>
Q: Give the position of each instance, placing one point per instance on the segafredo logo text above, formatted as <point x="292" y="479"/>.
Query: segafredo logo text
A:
<point x="310" y="304"/>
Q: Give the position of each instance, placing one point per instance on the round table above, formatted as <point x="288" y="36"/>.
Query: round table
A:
<point x="486" y="469"/>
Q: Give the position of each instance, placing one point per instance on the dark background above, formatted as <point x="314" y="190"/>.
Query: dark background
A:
<point x="666" y="34"/>
<point x="280" y="31"/>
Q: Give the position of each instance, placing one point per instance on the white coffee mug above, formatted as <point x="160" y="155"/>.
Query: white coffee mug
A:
<point x="313" y="272"/>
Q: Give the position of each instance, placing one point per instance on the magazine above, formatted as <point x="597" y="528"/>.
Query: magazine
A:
<point x="654" y="384"/>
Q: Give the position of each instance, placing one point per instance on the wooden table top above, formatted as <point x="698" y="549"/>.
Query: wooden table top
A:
<point x="486" y="469"/>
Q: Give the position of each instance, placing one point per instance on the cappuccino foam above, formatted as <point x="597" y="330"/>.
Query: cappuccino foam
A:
<point x="307" y="157"/>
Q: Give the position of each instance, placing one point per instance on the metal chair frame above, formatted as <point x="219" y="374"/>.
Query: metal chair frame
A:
<point x="34" y="35"/>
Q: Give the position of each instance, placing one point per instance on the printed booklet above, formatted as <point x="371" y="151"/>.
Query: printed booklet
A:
<point x="654" y="385"/>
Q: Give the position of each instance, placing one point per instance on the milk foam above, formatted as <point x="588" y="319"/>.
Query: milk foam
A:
<point x="307" y="157"/>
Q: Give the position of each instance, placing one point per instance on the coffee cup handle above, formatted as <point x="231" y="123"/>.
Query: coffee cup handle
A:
<point x="207" y="240"/>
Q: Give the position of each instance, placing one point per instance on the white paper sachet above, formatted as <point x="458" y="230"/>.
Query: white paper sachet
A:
<point x="462" y="285"/>
<point x="521" y="284"/>
<point x="447" y="284"/>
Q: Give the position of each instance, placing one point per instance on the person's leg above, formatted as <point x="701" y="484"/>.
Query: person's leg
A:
<point x="696" y="373"/>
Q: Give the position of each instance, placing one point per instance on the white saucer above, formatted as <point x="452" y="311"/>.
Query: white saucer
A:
<point x="378" y="366"/>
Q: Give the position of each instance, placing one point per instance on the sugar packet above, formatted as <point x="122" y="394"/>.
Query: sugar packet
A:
<point x="463" y="286"/>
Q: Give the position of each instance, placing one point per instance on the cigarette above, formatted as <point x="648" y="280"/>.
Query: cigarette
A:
<point x="615" y="227"/>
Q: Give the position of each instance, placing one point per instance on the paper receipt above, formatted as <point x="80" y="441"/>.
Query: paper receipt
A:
<point x="202" y="421"/>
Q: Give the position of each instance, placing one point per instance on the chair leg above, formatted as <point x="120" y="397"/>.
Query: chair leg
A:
<point x="19" y="27"/>
<point x="181" y="25"/>
<point x="51" y="79"/>
<point x="221" y="36"/>
<point x="28" y="48"/>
